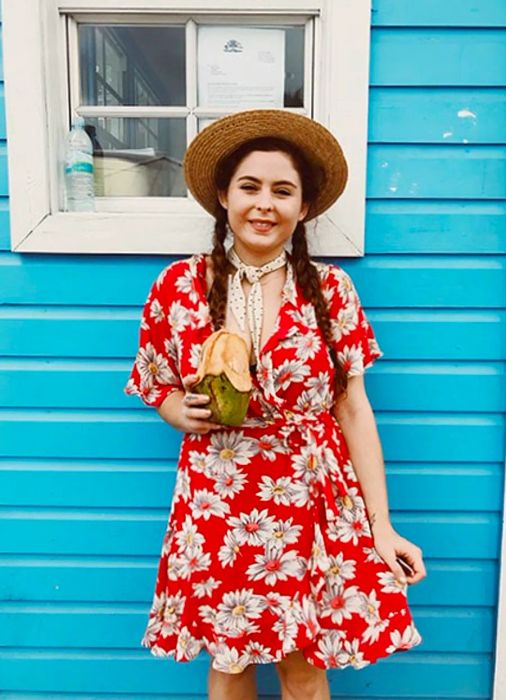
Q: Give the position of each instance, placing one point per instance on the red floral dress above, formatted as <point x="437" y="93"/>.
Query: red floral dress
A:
<point x="268" y="547"/>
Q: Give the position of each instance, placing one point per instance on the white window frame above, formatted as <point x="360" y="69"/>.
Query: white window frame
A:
<point x="37" y="99"/>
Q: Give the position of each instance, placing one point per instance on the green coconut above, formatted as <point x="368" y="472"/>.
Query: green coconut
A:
<point x="223" y="375"/>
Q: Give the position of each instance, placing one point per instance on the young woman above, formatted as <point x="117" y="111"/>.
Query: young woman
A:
<point x="279" y="546"/>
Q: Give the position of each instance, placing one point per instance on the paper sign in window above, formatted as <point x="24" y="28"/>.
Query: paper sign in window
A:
<point x="241" y="67"/>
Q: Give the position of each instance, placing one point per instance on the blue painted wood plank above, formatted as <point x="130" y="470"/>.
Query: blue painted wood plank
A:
<point x="414" y="227"/>
<point x="445" y="57"/>
<point x="130" y="532"/>
<point x="436" y="115"/>
<point x="113" y="626"/>
<point x="436" y="172"/>
<point x="113" y="333"/>
<point x="105" y="484"/>
<point x="465" y="675"/>
<point x="406" y="437"/>
<point x="433" y="13"/>
<point x="5" y="241"/>
<point x="131" y="579"/>
<point x="391" y="386"/>
<point x="4" y="178"/>
<point x="3" y="130"/>
<point x="406" y="281"/>
<point x="388" y="281"/>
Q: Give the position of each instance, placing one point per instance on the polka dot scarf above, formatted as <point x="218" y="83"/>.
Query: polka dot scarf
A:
<point x="237" y="300"/>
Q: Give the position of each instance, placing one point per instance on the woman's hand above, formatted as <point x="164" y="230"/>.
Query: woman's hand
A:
<point x="390" y="545"/>
<point x="194" y="414"/>
<point x="187" y="411"/>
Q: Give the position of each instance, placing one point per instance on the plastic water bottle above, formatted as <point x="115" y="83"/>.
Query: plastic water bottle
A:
<point x="79" y="182"/>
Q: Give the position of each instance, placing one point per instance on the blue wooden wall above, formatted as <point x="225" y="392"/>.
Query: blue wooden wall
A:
<point x="86" y="473"/>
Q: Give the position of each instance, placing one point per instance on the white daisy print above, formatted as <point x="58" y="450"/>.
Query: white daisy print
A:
<point x="329" y="648"/>
<point x="307" y="345"/>
<point x="269" y="446"/>
<point x="273" y="566"/>
<point x="230" y="549"/>
<point x="284" y="533"/>
<point x="289" y="372"/>
<point x="253" y="528"/>
<point x="237" y="609"/>
<point x="206" y="504"/>
<point x="193" y="560"/>
<point x="156" y="311"/>
<point x="389" y="582"/>
<point x="340" y="569"/>
<point x="172" y="612"/>
<point x="228" y="660"/>
<point x="201" y="589"/>
<point x="229" y="449"/>
<point x="350" y="655"/>
<point x="409" y="638"/>
<point x="278" y="490"/>
<point x="154" y="367"/>
<point x="256" y="653"/>
<point x="187" y="645"/>
<point x="373" y="632"/>
<point x="351" y="359"/>
<point x="340" y="603"/>
<point x="229" y="483"/>
<point x="189" y="537"/>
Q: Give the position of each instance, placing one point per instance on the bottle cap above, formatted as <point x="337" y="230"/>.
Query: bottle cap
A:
<point x="78" y="121"/>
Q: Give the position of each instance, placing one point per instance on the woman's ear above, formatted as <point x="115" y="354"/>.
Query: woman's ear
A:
<point x="304" y="210"/>
<point x="222" y="199"/>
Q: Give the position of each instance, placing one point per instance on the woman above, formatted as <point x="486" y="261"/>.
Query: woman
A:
<point x="279" y="547"/>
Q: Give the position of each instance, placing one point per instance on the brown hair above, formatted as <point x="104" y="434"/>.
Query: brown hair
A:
<point x="306" y="273"/>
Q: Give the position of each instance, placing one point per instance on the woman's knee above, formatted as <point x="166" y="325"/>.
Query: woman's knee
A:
<point x="301" y="678"/>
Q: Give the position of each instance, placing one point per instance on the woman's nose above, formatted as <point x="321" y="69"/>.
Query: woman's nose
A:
<point x="264" y="200"/>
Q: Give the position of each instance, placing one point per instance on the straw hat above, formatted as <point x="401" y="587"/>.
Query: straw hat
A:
<point x="223" y="136"/>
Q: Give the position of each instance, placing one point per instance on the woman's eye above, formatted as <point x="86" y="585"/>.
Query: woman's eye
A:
<point x="284" y="192"/>
<point x="247" y="187"/>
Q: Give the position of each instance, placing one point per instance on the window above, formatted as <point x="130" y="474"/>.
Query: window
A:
<point x="146" y="82"/>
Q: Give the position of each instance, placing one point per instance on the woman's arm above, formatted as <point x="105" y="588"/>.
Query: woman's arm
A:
<point x="358" y="425"/>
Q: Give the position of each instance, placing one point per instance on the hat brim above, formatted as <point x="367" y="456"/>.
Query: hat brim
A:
<point x="224" y="136"/>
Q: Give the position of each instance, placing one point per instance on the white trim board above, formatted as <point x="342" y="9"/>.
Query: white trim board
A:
<point x="499" y="692"/>
<point x="37" y="115"/>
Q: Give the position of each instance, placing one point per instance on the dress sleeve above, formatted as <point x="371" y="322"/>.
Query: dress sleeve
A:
<point x="354" y="343"/>
<point x="155" y="373"/>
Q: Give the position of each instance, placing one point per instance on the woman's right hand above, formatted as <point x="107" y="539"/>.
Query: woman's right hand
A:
<point x="194" y="414"/>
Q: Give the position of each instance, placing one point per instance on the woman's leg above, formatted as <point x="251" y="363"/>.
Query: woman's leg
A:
<point x="300" y="680"/>
<point x="232" y="686"/>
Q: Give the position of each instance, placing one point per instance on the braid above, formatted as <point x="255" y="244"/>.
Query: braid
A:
<point x="309" y="281"/>
<point x="217" y="296"/>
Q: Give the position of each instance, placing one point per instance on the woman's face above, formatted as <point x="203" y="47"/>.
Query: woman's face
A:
<point x="264" y="205"/>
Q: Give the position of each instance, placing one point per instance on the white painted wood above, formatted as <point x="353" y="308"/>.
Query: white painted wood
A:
<point x="25" y="118"/>
<point x="152" y="234"/>
<point x="193" y="6"/>
<point x="499" y="692"/>
<point x="37" y="107"/>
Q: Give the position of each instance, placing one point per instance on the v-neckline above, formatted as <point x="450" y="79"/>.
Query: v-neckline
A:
<point x="201" y="268"/>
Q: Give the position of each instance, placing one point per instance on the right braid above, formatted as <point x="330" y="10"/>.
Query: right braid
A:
<point x="217" y="296"/>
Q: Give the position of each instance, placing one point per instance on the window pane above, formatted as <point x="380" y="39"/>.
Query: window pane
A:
<point x="140" y="157"/>
<point x="132" y="65"/>
<point x="242" y="67"/>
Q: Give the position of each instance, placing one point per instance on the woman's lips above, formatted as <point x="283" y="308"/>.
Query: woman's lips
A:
<point x="262" y="226"/>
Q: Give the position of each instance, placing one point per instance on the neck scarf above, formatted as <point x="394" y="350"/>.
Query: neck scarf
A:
<point x="255" y="306"/>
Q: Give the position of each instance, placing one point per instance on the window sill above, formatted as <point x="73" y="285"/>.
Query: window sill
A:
<point x="155" y="234"/>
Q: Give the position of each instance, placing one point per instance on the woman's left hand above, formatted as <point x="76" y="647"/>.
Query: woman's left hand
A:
<point x="390" y="545"/>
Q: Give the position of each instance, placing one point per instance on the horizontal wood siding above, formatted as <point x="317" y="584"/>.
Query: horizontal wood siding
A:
<point x="86" y="474"/>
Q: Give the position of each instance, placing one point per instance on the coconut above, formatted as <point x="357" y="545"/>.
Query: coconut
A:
<point x="223" y="375"/>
